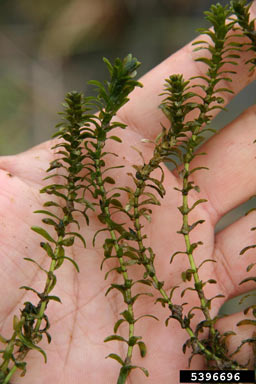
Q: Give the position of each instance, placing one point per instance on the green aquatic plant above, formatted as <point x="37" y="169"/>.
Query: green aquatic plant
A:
<point x="33" y="323"/>
<point x="110" y="98"/>
<point x="86" y="188"/>
<point x="241" y="10"/>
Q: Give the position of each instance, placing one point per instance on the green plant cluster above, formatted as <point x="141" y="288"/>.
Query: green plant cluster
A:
<point x="33" y="323"/>
<point x="82" y="166"/>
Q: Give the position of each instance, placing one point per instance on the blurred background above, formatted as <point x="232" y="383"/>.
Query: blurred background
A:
<point x="51" y="47"/>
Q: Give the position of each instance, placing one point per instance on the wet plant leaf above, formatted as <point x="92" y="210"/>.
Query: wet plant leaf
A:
<point x="43" y="233"/>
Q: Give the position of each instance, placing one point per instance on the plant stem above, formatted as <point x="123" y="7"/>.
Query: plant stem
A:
<point x="189" y="250"/>
<point x="10" y="374"/>
<point x="47" y="288"/>
<point x="118" y="251"/>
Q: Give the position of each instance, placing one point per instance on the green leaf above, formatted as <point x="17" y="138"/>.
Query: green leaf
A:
<point x="143" y="348"/>
<point x="43" y="233"/>
<point x="193" y="246"/>
<point x="131" y="255"/>
<point x="205" y="61"/>
<point x="116" y="138"/>
<point x="250" y="267"/>
<point x="117" y="324"/>
<point x="128" y="316"/>
<point x="246" y="248"/>
<point x="134" y="298"/>
<point x="3" y="340"/>
<point x="172" y="291"/>
<point x="68" y="242"/>
<point x="47" y="213"/>
<point x="162" y="301"/>
<point x="53" y="281"/>
<point x="49" y="222"/>
<point x="30" y="289"/>
<point x="206" y="261"/>
<point x="17" y="323"/>
<point x="187" y="275"/>
<point x="48" y="249"/>
<point x="30" y="345"/>
<point x="187" y="289"/>
<point x="51" y="204"/>
<point x="116" y="203"/>
<point x="59" y="262"/>
<point x="77" y="235"/>
<point x="177" y="253"/>
<point x="250" y="340"/>
<point x="117" y="269"/>
<point x="248" y="279"/>
<point x="145" y="371"/>
<point x="133" y="340"/>
<point x="225" y="89"/>
<point x="121" y="288"/>
<point x="246" y="322"/>
<point x="116" y="357"/>
<point x="72" y="261"/>
<point x="109" y="180"/>
<point x="60" y="252"/>
<point x="150" y="201"/>
<point x="192" y="226"/>
<point x="96" y="234"/>
<point x="212" y="298"/>
<point x="200" y="201"/>
<point x="56" y="193"/>
<point x="152" y="316"/>
<point x="33" y="261"/>
<point x="52" y="188"/>
<point x="109" y="65"/>
<point x="115" y="337"/>
<point x="54" y="298"/>
<point x="159" y="188"/>
<point x="22" y="366"/>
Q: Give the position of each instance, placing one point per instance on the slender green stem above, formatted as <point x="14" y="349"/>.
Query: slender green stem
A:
<point x="10" y="374"/>
<point x="117" y="249"/>
<point x="185" y="230"/>
<point x="46" y="290"/>
<point x="8" y="353"/>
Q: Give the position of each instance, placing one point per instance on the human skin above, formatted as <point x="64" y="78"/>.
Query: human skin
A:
<point x="85" y="317"/>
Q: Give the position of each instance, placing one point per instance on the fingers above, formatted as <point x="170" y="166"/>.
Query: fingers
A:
<point x="29" y="166"/>
<point x="230" y="157"/>
<point x="142" y="112"/>
<point x="231" y="267"/>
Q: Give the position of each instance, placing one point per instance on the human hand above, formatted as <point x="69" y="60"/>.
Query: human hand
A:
<point x="85" y="317"/>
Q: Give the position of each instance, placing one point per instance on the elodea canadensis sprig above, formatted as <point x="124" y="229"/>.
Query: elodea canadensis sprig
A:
<point x="32" y="323"/>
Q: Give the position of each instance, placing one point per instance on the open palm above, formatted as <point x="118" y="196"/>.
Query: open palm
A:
<point x="85" y="317"/>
